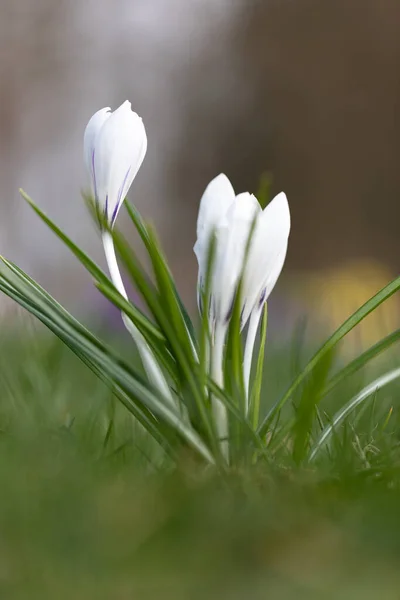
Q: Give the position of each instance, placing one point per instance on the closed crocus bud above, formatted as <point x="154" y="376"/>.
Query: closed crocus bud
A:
<point x="231" y="218"/>
<point x="115" y="145"/>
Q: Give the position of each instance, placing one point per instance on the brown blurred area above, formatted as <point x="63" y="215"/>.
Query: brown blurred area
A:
<point x="308" y="91"/>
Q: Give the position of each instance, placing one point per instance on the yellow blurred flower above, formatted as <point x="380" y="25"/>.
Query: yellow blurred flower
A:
<point x="333" y="295"/>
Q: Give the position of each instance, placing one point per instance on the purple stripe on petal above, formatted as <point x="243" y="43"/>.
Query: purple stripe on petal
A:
<point x="114" y="215"/>
<point x="262" y="297"/>
<point x="230" y="311"/>
<point x="122" y="186"/>
<point x="119" y="198"/>
<point x="241" y="316"/>
<point x="212" y="311"/>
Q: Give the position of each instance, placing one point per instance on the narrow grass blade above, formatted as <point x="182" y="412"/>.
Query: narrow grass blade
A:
<point x="83" y="343"/>
<point x="87" y="262"/>
<point x="339" y="334"/>
<point x="343" y="413"/>
<point x="351" y="368"/>
<point x="143" y="416"/>
<point x="306" y="409"/>
<point x="102" y="281"/>
<point x="359" y="362"/>
<point x="168" y="294"/>
<point x="256" y="390"/>
<point x="148" y="240"/>
<point x="153" y="335"/>
<point x="237" y="415"/>
<point x="159" y="305"/>
<point x="263" y="194"/>
<point x="234" y="352"/>
<point x="138" y="222"/>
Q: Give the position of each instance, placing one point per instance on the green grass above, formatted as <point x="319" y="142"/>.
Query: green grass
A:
<point x="116" y="480"/>
<point x="192" y="398"/>
<point x="91" y="508"/>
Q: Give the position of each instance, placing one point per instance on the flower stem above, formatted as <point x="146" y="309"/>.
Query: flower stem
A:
<point x="150" y="364"/>
<point x="248" y="351"/>
<point x="219" y="410"/>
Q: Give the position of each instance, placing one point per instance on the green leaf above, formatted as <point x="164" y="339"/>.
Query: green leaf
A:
<point x="103" y="283"/>
<point x="149" y="242"/>
<point x="344" y="412"/>
<point x="307" y="407"/>
<point x="264" y="189"/>
<point x="85" y="344"/>
<point x="87" y="262"/>
<point x="254" y="408"/>
<point x="162" y="304"/>
<point x="204" y="301"/>
<point x="138" y="222"/>
<point x="351" y="368"/>
<point x="234" y="352"/>
<point x="168" y="294"/>
<point x="238" y="416"/>
<point x="360" y="361"/>
<point x="152" y="332"/>
<point x="339" y="334"/>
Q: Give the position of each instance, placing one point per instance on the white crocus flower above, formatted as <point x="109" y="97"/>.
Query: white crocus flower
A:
<point x="115" y="145"/>
<point x="231" y="219"/>
<point x="266" y="257"/>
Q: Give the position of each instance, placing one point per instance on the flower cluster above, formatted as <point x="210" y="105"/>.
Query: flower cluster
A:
<point x="251" y="243"/>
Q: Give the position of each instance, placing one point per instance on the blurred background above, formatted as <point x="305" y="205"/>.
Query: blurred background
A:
<point x="304" y="94"/>
<point x="307" y="92"/>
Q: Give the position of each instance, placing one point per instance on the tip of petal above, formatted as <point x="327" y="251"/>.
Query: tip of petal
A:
<point x="279" y="206"/>
<point x="221" y="178"/>
<point x="246" y="206"/>
<point x="99" y="115"/>
<point x="126" y="110"/>
<point x="282" y="200"/>
<point x="221" y="185"/>
<point x="281" y="197"/>
<point x="126" y="105"/>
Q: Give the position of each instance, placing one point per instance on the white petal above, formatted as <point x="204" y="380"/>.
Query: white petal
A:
<point x="214" y="204"/>
<point x="120" y="149"/>
<point x="267" y="253"/>
<point x="89" y="139"/>
<point x="232" y="239"/>
<point x="245" y="208"/>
